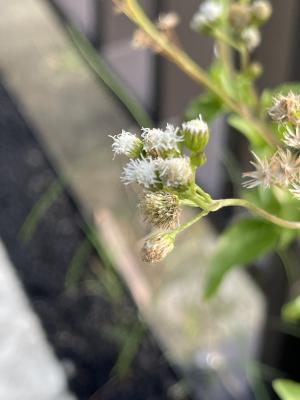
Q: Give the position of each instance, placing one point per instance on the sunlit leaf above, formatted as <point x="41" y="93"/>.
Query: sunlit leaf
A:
<point x="286" y="389"/>
<point x="291" y="311"/>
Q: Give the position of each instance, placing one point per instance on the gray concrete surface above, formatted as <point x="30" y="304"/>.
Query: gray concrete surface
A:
<point x="29" y="369"/>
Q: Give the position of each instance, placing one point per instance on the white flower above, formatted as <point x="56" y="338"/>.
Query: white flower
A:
<point x="209" y="12"/>
<point x="175" y="172"/>
<point x="195" y="126"/>
<point x="292" y="138"/>
<point x="142" y="171"/>
<point x="251" y="36"/>
<point x="286" y="167"/>
<point x="262" y="175"/>
<point x="126" y="143"/>
<point x="161" y="140"/>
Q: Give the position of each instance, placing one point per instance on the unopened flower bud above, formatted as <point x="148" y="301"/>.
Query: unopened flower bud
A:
<point x="196" y="134"/>
<point x="128" y="144"/>
<point x="157" y="247"/>
<point x="239" y="16"/>
<point x="251" y="37"/>
<point x="286" y="109"/>
<point x="175" y="172"/>
<point x="161" y="209"/>
<point x="261" y="11"/>
<point x="254" y="70"/>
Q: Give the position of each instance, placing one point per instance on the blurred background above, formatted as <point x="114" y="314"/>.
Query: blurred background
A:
<point x="81" y="317"/>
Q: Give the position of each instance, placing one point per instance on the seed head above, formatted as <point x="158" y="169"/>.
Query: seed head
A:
<point x="262" y="175"/>
<point x="141" y="171"/>
<point x="128" y="144"/>
<point x="251" y="37"/>
<point x="286" y="109"/>
<point x="261" y="10"/>
<point x="161" y="209"/>
<point x="285" y="166"/>
<point x="175" y="172"/>
<point x="158" y="142"/>
<point x="209" y="12"/>
<point x="157" y="247"/>
<point x="295" y="190"/>
<point x="196" y="134"/>
<point x="292" y="138"/>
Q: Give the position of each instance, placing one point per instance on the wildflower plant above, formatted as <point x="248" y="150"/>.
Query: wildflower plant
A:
<point x="163" y="162"/>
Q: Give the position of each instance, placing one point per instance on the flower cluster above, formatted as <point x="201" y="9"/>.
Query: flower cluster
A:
<point x="244" y="20"/>
<point x="282" y="169"/>
<point x="163" y="163"/>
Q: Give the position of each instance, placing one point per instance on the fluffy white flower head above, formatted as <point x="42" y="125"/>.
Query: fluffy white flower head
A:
<point x="195" y="126"/>
<point x="175" y="172"/>
<point x="141" y="171"/>
<point x="209" y="12"/>
<point x="161" y="140"/>
<point x="251" y="37"/>
<point x="126" y="143"/>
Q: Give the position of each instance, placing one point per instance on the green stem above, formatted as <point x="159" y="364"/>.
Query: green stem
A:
<point x="218" y="204"/>
<point x="191" y="222"/>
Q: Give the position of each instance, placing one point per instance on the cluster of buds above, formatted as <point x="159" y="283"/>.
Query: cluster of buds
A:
<point x="163" y="162"/>
<point x="282" y="169"/>
<point x="244" y="20"/>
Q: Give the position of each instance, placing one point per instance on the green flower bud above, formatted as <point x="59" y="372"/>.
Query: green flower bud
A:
<point x="196" y="134"/>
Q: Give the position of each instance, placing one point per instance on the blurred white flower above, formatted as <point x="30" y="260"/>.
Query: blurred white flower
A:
<point x="209" y="12"/>
<point x="252" y="38"/>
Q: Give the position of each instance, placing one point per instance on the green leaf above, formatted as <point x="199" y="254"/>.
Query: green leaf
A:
<point x="291" y="311"/>
<point x="207" y="104"/>
<point x="245" y="241"/>
<point x="245" y="127"/>
<point x="221" y="77"/>
<point x="286" y="389"/>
